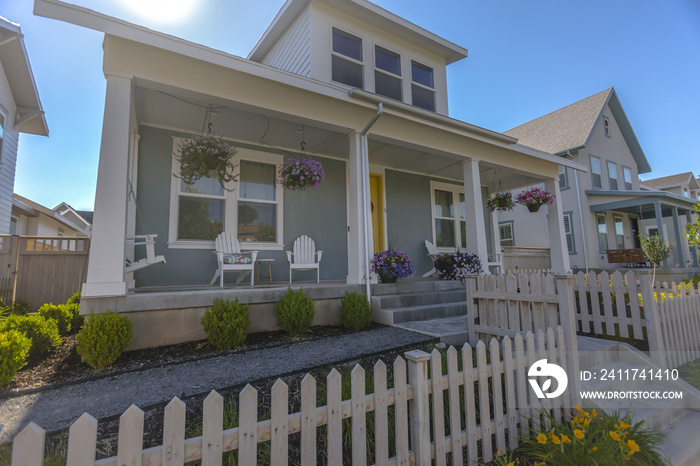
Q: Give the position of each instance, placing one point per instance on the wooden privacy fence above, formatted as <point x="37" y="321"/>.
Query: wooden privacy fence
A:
<point x="627" y="306"/>
<point x="42" y="269"/>
<point x="517" y="258"/>
<point x="475" y="412"/>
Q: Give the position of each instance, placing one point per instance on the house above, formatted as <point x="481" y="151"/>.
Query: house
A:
<point x="362" y="88"/>
<point x="32" y="219"/>
<point x="606" y="208"/>
<point x="20" y="111"/>
<point x="683" y="184"/>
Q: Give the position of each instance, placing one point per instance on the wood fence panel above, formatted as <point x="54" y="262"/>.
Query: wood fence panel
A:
<point x="82" y="440"/>
<point x="469" y="408"/>
<point x="279" y="435"/>
<point x="28" y="446"/>
<point x="619" y="290"/>
<point x="401" y="411"/>
<point x="173" y="433"/>
<point x="308" y="420"/>
<point x="248" y="426"/>
<point x="381" y="416"/>
<point x="130" y="442"/>
<point x="525" y="306"/>
<point x="438" y="408"/>
<point x="212" y="429"/>
<point x="455" y="415"/>
<point x="497" y="391"/>
<point x="532" y="358"/>
<point x="511" y="407"/>
<point x="549" y="288"/>
<point x="484" y="405"/>
<point x="359" y="418"/>
<point x="584" y="315"/>
<point x="521" y="376"/>
<point x="631" y="279"/>
<point x="501" y="305"/>
<point x="513" y="305"/>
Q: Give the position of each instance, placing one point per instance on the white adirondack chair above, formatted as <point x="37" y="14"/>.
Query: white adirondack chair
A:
<point x="151" y="258"/>
<point x="305" y="256"/>
<point x="227" y="243"/>
<point x="433" y="253"/>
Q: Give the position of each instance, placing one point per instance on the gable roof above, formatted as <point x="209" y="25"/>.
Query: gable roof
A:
<point x="673" y="180"/>
<point x="570" y="128"/>
<point x="368" y="13"/>
<point x="15" y="63"/>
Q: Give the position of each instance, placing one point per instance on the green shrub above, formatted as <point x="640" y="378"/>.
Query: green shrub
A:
<point x="20" y="308"/>
<point x="226" y="323"/>
<point x="62" y="315"/>
<point x="103" y="338"/>
<point x="295" y="311"/>
<point x="14" y="348"/>
<point x="73" y="304"/>
<point x="355" y="311"/>
<point x="74" y="299"/>
<point x="42" y="332"/>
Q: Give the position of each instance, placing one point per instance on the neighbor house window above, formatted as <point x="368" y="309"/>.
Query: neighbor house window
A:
<point x="686" y="193"/>
<point x="346" y="59"/>
<point x="257" y="202"/>
<point x="563" y="178"/>
<point x="619" y="233"/>
<point x="505" y="233"/>
<point x="13" y="225"/>
<point x="595" y="172"/>
<point x="602" y="233"/>
<point x="627" y="174"/>
<point x="606" y="126"/>
<point x="387" y="73"/>
<point x="612" y="175"/>
<point x="449" y="212"/>
<point x="569" y="233"/>
<point x="422" y="86"/>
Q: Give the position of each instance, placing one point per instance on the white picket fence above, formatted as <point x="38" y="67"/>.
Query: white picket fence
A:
<point x="459" y="399"/>
<point x="669" y="316"/>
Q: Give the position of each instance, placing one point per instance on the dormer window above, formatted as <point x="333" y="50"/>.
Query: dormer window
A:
<point x="422" y="86"/>
<point x="346" y="59"/>
<point x="686" y="193"/>
<point x="387" y="73"/>
<point x="606" y="126"/>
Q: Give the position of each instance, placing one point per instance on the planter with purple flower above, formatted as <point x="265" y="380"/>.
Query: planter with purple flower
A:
<point x="200" y="155"/>
<point x="392" y="265"/>
<point x="534" y="198"/>
<point x="301" y="173"/>
<point x="457" y="266"/>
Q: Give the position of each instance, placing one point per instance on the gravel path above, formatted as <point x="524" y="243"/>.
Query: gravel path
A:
<point x="57" y="408"/>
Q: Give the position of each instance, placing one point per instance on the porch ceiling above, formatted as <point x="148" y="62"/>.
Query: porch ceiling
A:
<point x="160" y="105"/>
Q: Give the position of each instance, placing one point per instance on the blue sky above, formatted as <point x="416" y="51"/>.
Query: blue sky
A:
<point x="526" y="59"/>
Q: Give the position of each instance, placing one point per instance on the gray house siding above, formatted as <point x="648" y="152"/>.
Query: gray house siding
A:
<point x="292" y="52"/>
<point x="7" y="174"/>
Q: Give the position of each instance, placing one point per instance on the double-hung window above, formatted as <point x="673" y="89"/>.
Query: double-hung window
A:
<point x="505" y="233"/>
<point x="606" y="126"/>
<point x="387" y="73"/>
<point x="612" y="175"/>
<point x="569" y="233"/>
<point x="257" y="202"/>
<point x="200" y="209"/>
<point x="422" y="86"/>
<point x="595" y="172"/>
<point x="619" y="232"/>
<point x="563" y="178"/>
<point x="346" y="59"/>
<point x="602" y="232"/>
<point x="449" y="213"/>
<point x="686" y="193"/>
<point x="627" y="176"/>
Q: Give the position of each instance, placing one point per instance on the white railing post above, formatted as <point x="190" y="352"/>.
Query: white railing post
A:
<point x="567" y="319"/>
<point x="651" y="315"/>
<point x="420" y="411"/>
<point x="472" y="308"/>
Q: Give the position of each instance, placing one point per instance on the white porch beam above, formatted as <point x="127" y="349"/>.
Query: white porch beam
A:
<point x="105" y="276"/>
<point x="475" y="223"/>
<point x="356" y="218"/>
<point x="558" y="252"/>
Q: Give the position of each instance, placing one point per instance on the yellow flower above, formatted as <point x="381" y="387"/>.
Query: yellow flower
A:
<point x="565" y="439"/>
<point x="577" y="407"/>
<point x="593" y="413"/>
<point x="595" y="449"/>
<point x="632" y="445"/>
<point x="512" y="463"/>
<point x="542" y="439"/>
<point x="578" y="433"/>
<point x="615" y="436"/>
<point x="624" y="425"/>
<point x="556" y="440"/>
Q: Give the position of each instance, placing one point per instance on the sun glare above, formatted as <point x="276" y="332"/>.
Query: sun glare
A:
<point x="162" y="11"/>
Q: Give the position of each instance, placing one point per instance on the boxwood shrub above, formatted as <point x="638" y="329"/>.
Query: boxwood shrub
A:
<point x="226" y="323"/>
<point x="42" y="332"/>
<point x="355" y="311"/>
<point x="103" y="338"/>
<point x="295" y="311"/>
<point x="14" y="348"/>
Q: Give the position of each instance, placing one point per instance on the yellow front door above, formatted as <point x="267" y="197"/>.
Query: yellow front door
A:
<point x="377" y="207"/>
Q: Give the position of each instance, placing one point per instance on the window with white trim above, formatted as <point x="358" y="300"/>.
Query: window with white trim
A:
<point x="569" y="233"/>
<point x="422" y="86"/>
<point x="602" y="232"/>
<point x="627" y="176"/>
<point x="612" y="175"/>
<point x="563" y="178"/>
<point x="606" y="126"/>
<point x="347" y="66"/>
<point x="387" y="73"/>
<point x="449" y="213"/>
<point x="595" y="172"/>
<point x="257" y="202"/>
<point x="505" y="234"/>
<point x="686" y="193"/>
<point x="200" y="209"/>
<point x="619" y="232"/>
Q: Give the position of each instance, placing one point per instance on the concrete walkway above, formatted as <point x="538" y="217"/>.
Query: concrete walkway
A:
<point x="57" y="408"/>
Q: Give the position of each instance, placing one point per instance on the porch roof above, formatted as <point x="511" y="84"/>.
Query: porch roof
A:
<point x="637" y="202"/>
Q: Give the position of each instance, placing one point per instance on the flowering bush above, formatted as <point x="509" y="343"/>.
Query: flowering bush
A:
<point x="201" y="154"/>
<point x="393" y="264"/>
<point x="534" y="197"/>
<point x="501" y="202"/>
<point x="301" y="173"/>
<point x="457" y="266"/>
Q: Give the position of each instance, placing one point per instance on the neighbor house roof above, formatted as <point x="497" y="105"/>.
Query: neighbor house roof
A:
<point x="15" y="64"/>
<point x="367" y="12"/>
<point x="673" y="180"/>
<point x="570" y="128"/>
<point x="34" y="209"/>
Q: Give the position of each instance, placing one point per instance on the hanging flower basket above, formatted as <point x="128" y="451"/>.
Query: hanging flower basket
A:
<point x="200" y="155"/>
<point x="534" y="198"/>
<point x="501" y="202"/>
<point x="301" y="173"/>
<point x="392" y="265"/>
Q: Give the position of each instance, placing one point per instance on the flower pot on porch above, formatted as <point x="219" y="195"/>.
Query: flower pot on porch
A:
<point x="212" y="162"/>
<point x="534" y="207"/>
<point x="387" y="277"/>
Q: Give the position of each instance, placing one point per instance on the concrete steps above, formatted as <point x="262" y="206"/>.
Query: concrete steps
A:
<point x="417" y="300"/>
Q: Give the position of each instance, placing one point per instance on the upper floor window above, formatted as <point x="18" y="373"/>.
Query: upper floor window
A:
<point x="563" y="178"/>
<point x="627" y="174"/>
<point x="387" y="73"/>
<point x="346" y="59"/>
<point x="612" y="175"/>
<point x="686" y="193"/>
<point x="422" y="86"/>
<point x="606" y="126"/>
<point x="595" y="172"/>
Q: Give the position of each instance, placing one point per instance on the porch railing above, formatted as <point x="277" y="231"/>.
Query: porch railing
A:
<point x="521" y="259"/>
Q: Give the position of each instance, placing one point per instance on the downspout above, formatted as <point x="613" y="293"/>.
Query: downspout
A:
<point x="580" y="215"/>
<point x="365" y="178"/>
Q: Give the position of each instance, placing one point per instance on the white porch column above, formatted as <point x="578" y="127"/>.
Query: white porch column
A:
<point x="476" y="226"/>
<point x="496" y="235"/>
<point x="558" y="251"/>
<point x="679" y="243"/>
<point x="660" y="227"/>
<point x="105" y="276"/>
<point x="356" y="219"/>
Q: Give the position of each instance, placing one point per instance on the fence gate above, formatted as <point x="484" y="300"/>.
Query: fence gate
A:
<point x="42" y="269"/>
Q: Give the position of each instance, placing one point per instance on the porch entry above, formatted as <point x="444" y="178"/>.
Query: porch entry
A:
<point x="377" y="208"/>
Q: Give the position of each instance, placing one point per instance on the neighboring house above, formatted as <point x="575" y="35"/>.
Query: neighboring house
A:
<point x="683" y="184"/>
<point x="606" y="208"/>
<point x="20" y="110"/>
<point x="32" y="219"/>
<point x="363" y="88"/>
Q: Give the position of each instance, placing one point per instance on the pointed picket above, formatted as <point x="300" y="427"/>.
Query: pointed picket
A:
<point x="497" y="392"/>
<point x="248" y="426"/>
<point x="538" y="313"/>
<point x="359" y="417"/>
<point x="583" y="302"/>
<point x="484" y="406"/>
<point x="308" y="420"/>
<point x="532" y="358"/>
<point x="381" y="417"/>
<point x="212" y="429"/>
<point x="28" y="446"/>
<point x="511" y="408"/>
<point x="549" y="287"/>
<point x="401" y="411"/>
<point x="455" y="417"/>
<point x="525" y="306"/>
<point x="521" y="378"/>
<point x="335" y="417"/>
<point x="438" y="408"/>
<point x="279" y="435"/>
<point x="130" y="443"/>
<point x="469" y="403"/>
<point x="619" y="290"/>
<point x="82" y="441"/>
<point x="174" y="433"/>
<point x="513" y="305"/>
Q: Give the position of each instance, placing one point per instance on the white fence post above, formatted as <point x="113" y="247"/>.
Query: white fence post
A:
<point x="567" y="318"/>
<point x="472" y="309"/>
<point x="651" y="314"/>
<point x="420" y="411"/>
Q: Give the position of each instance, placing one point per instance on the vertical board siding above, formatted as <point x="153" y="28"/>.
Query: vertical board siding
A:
<point x="292" y="51"/>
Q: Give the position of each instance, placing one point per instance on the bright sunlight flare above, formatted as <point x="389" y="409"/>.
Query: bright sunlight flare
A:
<point x="163" y="11"/>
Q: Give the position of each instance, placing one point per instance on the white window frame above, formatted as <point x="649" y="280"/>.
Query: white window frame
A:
<point x="625" y="172"/>
<point x="230" y="203"/>
<point x="388" y="73"/>
<point x="510" y="225"/>
<point x="597" y="226"/>
<point x="457" y="220"/>
<point x="617" y="235"/>
<point x="423" y="86"/>
<point x="686" y="192"/>
<point x="610" y="177"/>
<point x="347" y="58"/>
<point x="606" y="126"/>
<point x="565" y="184"/>
<point x="569" y="231"/>
<point x="594" y="173"/>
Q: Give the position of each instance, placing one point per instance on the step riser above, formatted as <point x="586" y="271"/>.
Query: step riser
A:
<point x="416" y="286"/>
<point x="406" y="300"/>
<point x="390" y="317"/>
